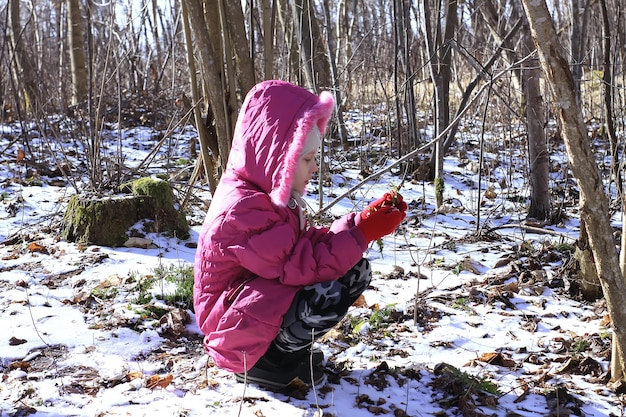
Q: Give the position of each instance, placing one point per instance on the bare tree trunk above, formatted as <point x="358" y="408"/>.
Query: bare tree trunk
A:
<point x="226" y="67"/>
<point x="587" y="279"/>
<point x="77" y="53"/>
<point x="301" y="25"/>
<point x="537" y="148"/>
<point x="269" y="19"/>
<point x="60" y="73"/>
<point x="212" y="75"/>
<point x="407" y="138"/>
<point x="23" y="69"/>
<point x="607" y="78"/>
<point x="234" y="24"/>
<point x="206" y="159"/>
<point x="409" y="93"/>
<point x="229" y="72"/>
<point x="341" y="127"/>
<point x="594" y="204"/>
<point x="397" y="44"/>
<point x="440" y="51"/>
<point x="291" y="62"/>
<point x="313" y="58"/>
<point x="496" y="27"/>
<point x="577" y="40"/>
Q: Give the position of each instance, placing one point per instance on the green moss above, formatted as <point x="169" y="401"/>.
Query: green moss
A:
<point x="157" y="189"/>
<point x="161" y="206"/>
<point x="105" y="220"/>
<point x="439" y="188"/>
<point x="99" y="221"/>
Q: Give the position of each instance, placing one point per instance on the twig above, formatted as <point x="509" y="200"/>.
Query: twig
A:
<point x="414" y="152"/>
<point x="317" y="404"/>
<point x="531" y="229"/>
<point x="245" y="383"/>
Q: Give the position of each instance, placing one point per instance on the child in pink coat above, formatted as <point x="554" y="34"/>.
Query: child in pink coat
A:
<point x="266" y="282"/>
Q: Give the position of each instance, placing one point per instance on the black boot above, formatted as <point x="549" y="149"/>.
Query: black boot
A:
<point x="308" y="355"/>
<point x="276" y="370"/>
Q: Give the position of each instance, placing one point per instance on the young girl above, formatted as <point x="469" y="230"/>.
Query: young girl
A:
<point x="267" y="284"/>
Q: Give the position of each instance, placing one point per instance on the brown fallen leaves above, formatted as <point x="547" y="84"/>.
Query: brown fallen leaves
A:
<point x="495" y="358"/>
<point x="154" y="381"/>
<point x="14" y="341"/>
<point x="175" y="322"/>
<point x="35" y="247"/>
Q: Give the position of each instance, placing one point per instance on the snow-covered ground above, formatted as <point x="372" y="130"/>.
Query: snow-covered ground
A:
<point x="465" y="315"/>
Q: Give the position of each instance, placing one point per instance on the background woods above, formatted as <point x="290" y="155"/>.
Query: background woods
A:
<point x="424" y="77"/>
<point x="423" y="64"/>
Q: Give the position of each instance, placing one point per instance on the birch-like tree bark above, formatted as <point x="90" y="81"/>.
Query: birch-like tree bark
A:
<point x="594" y="203"/>
<point x="342" y="132"/>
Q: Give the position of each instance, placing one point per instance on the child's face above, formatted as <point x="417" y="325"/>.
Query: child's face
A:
<point x="307" y="166"/>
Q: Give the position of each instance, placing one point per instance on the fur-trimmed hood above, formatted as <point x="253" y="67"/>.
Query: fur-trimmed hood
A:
<point x="271" y="130"/>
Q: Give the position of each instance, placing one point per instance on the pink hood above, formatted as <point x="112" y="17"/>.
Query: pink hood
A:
<point x="253" y="255"/>
<point x="273" y="124"/>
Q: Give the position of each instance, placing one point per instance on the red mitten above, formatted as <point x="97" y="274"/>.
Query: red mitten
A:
<point x="393" y="199"/>
<point x="385" y="200"/>
<point x="399" y="202"/>
<point x="381" y="222"/>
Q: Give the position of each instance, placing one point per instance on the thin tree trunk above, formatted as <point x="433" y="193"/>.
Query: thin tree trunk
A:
<point x="494" y="23"/>
<point x="212" y="75"/>
<point x="607" y="82"/>
<point x="229" y="73"/>
<point x="313" y="56"/>
<point x="409" y="102"/>
<point x="594" y="204"/>
<point x="301" y="23"/>
<point x="397" y="45"/>
<point x="441" y="73"/>
<point x="291" y="67"/>
<point x="77" y="54"/>
<point x="577" y="40"/>
<point x="205" y="145"/>
<point x="342" y="132"/>
<point x="269" y="19"/>
<point x="234" y="24"/>
<point x="537" y="148"/>
<point x="23" y="69"/>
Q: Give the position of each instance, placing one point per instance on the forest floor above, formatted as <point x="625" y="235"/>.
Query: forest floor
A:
<point x="472" y="311"/>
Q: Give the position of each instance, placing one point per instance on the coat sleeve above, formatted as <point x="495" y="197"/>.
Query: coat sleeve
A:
<point x="266" y="242"/>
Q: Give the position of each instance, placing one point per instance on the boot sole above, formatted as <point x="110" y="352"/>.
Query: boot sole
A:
<point x="276" y="386"/>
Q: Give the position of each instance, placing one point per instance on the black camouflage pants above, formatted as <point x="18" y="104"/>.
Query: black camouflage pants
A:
<point x="318" y="308"/>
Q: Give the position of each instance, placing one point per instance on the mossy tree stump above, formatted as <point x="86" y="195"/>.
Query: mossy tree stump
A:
<point x="106" y="220"/>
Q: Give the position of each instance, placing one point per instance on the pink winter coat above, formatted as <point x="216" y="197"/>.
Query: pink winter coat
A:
<point x="253" y="255"/>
